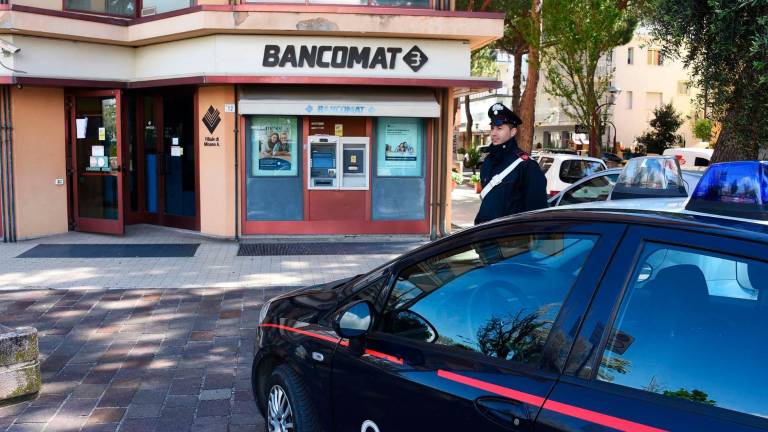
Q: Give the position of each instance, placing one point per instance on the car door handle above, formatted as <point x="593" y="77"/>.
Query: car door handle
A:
<point x="509" y="412"/>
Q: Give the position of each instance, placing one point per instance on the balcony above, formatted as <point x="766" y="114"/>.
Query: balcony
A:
<point x="144" y="22"/>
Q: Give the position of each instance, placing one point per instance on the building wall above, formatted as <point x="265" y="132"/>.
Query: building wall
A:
<point x="43" y="4"/>
<point x="641" y="79"/>
<point x="217" y="163"/>
<point x="39" y="159"/>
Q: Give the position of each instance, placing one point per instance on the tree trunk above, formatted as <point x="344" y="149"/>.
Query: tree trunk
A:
<point x="469" y="121"/>
<point x="528" y="100"/>
<point x="595" y="137"/>
<point x="729" y="147"/>
<point x="517" y="80"/>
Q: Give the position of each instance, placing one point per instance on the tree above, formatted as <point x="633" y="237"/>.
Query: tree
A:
<point x="483" y="64"/>
<point x="694" y="396"/>
<point x="577" y="35"/>
<point x="473" y="159"/>
<point x="724" y="43"/>
<point x="522" y="36"/>
<point x="702" y="129"/>
<point x="666" y="121"/>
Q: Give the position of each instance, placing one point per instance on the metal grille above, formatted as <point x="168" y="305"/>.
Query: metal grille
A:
<point x="335" y="248"/>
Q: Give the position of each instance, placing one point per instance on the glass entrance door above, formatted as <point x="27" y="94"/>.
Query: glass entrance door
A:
<point x="97" y="162"/>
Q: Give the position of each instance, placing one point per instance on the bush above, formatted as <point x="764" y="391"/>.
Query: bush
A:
<point x="702" y="129"/>
<point x="473" y="159"/>
<point x="665" y="123"/>
<point x="457" y="178"/>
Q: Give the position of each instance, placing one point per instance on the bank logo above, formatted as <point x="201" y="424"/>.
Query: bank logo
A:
<point x="415" y="58"/>
<point x="211" y="119"/>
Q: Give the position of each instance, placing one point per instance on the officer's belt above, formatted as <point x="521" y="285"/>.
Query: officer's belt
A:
<point x="499" y="177"/>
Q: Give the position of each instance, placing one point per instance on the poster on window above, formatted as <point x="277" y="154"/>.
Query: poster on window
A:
<point x="273" y="143"/>
<point x="399" y="147"/>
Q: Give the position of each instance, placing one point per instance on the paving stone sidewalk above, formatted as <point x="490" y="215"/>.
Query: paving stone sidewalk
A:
<point x="139" y="360"/>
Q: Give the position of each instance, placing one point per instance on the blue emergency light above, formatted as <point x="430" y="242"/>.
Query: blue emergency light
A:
<point x="737" y="189"/>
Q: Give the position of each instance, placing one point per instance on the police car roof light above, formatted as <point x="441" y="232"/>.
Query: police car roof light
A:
<point x="650" y="177"/>
<point x="736" y="189"/>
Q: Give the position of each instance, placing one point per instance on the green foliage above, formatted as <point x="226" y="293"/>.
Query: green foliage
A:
<point x="457" y="178"/>
<point x="475" y="179"/>
<point x="577" y="34"/>
<point x="484" y="62"/>
<point x="665" y="123"/>
<point x="473" y="158"/>
<point x="702" y="129"/>
<point x="461" y="150"/>
<point x="724" y="43"/>
<point x="694" y="396"/>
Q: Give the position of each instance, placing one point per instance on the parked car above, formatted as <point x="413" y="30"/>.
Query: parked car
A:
<point x="598" y="187"/>
<point x="611" y="160"/>
<point x="691" y="158"/>
<point x="628" y="315"/>
<point x="562" y="170"/>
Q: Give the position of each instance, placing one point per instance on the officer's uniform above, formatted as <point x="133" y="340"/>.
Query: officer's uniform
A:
<point x="523" y="189"/>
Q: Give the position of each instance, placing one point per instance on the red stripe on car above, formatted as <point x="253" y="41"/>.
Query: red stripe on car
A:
<point x="558" y="407"/>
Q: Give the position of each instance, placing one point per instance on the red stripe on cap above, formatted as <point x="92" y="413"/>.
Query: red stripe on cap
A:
<point x="303" y="332"/>
<point x="492" y="388"/>
<point x="599" y="418"/>
<point x="387" y="357"/>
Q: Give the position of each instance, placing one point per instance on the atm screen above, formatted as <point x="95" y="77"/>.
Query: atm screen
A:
<point x="323" y="160"/>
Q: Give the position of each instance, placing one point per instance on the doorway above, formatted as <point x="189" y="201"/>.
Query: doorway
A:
<point x="96" y="162"/>
<point x="163" y="170"/>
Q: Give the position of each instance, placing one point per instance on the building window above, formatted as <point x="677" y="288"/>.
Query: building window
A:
<point x="162" y="6"/>
<point x="125" y="8"/>
<point x="655" y="58"/>
<point x="683" y="88"/>
<point x="273" y="142"/>
<point x="384" y="3"/>
<point x="629" y="100"/>
<point x="630" y="56"/>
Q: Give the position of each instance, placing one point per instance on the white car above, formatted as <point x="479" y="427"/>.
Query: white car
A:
<point x="691" y="158"/>
<point x="563" y="170"/>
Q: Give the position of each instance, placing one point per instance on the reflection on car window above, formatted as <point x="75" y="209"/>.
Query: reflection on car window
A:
<point x="497" y="297"/>
<point x="545" y="164"/>
<point x="693" y="325"/>
<point x="596" y="189"/>
<point x="573" y="170"/>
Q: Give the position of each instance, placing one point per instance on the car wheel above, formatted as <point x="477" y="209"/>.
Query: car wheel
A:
<point x="288" y="406"/>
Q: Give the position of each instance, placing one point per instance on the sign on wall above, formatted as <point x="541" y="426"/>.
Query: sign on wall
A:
<point x="273" y="142"/>
<point x="211" y="121"/>
<point x="342" y="57"/>
<point x="399" y="147"/>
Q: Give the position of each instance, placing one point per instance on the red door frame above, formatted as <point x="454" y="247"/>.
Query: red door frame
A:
<point x="103" y="226"/>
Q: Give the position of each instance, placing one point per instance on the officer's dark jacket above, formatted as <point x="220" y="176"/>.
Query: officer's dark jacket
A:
<point x="522" y="190"/>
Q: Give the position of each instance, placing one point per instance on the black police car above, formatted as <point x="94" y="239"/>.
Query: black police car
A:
<point x="627" y="315"/>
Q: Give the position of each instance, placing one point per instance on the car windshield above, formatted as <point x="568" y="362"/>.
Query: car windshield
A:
<point x="576" y="169"/>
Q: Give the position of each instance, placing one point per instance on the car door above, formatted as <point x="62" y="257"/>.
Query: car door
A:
<point x="675" y="340"/>
<point x="597" y="188"/>
<point x="470" y="328"/>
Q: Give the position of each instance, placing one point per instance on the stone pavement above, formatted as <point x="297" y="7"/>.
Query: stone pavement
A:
<point x="465" y="204"/>
<point x="215" y="264"/>
<point x="139" y="360"/>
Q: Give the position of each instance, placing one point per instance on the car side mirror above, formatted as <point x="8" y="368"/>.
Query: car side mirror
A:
<point x="354" y="320"/>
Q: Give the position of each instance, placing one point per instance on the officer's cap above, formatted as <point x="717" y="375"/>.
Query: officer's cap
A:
<point x="499" y="115"/>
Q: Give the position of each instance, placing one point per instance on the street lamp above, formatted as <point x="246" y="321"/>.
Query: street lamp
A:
<point x="614" y="92"/>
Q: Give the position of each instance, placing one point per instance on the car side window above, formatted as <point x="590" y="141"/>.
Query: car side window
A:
<point x="692" y="325"/>
<point x="596" y="189"/>
<point x="545" y="163"/>
<point x="573" y="170"/>
<point x="497" y="297"/>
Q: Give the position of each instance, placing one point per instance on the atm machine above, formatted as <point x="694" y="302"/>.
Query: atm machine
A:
<point x="338" y="163"/>
<point x="322" y="162"/>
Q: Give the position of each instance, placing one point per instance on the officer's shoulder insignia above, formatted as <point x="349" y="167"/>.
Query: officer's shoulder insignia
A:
<point x="524" y="156"/>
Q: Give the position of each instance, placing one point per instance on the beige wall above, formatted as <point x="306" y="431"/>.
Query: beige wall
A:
<point x="39" y="159"/>
<point x="217" y="164"/>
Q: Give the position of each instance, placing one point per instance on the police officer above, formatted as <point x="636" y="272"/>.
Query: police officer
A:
<point x="523" y="186"/>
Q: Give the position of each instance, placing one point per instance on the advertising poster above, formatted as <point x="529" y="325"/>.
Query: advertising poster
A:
<point x="399" y="148"/>
<point x="273" y="146"/>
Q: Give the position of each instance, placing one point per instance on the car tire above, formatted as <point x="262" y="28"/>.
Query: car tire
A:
<point x="284" y="388"/>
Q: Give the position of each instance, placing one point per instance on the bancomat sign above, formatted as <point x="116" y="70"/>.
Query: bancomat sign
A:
<point x="342" y="57"/>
